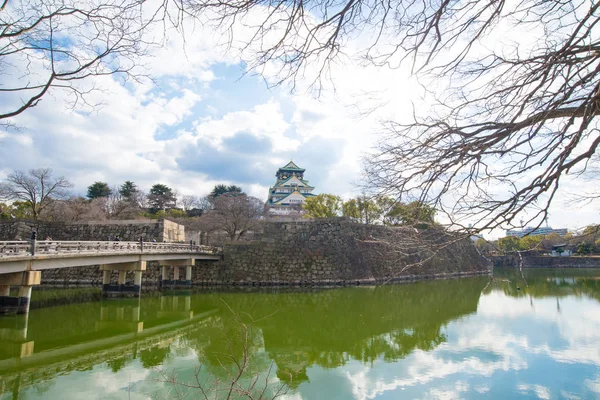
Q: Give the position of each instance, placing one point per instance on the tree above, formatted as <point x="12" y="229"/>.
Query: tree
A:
<point x="584" y="248"/>
<point x="323" y="206"/>
<point x="484" y="246"/>
<point x="16" y="209"/>
<point x="549" y="241"/>
<point x="221" y="189"/>
<point x="161" y="197"/>
<point x="189" y="202"/>
<point x="77" y="209"/>
<point x="98" y="190"/>
<point x="235" y="214"/>
<point x="350" y="210"/>
<point x="128" y="190"/>
<point x="415" y="212"/>
<point x="60" y="44"/>
<point x="509" y="244"/>
<point x="531" y="242"/>
<point x="118" y="206"/>
<point x="504" y="120"/>
<point x="36" y="188"/>
<point x="362" y="209"/>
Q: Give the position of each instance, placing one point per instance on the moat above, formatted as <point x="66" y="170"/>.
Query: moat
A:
<point x="536" y="337"/>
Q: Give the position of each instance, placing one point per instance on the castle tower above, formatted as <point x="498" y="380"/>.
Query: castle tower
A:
<point x="289" y="191"/>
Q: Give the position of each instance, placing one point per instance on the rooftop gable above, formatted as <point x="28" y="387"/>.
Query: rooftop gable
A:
<point x="292" y="180"/>
<point x="292" y="196"/>
<point x="291" y="166"/>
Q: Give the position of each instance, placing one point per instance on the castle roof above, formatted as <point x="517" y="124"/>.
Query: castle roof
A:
<point x="282" y="182"/>
<point x="291" y="166"/>
<point x="295" y="193"/>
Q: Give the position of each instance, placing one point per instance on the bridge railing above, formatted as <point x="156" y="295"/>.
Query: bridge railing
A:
<point x="53" y="247"/>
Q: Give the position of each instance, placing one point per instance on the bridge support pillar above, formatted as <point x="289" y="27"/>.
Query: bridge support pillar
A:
<point x="176" y="282"/>
<point x="188" y="275"/>
<point x="121" y="289"/>
<point x="122" y="277"/>
<point x="24" y="280"/>
<point x="106" y="277"/>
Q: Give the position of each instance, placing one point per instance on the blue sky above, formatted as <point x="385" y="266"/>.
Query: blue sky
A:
<point x="202" y="121"/>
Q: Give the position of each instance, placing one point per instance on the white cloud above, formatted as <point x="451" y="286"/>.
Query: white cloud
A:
<point x="142" y="129"/>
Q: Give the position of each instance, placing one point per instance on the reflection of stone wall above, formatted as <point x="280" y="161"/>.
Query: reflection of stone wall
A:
<point x="333" y="251"/>
<point x="127" y="230"/>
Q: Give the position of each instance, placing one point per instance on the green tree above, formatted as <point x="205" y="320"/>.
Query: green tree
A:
<point x="593" y="229"/>
<point x="484" y="246"/>
<point x="415" y="212"/>
<point x="584" y="248"/>
<point x="530" y="242"/>
<point x="350" y="210"/>
<point x="362" y="209"/>
<point x="323" y="206"/>
<point x="509" y="243"/>
<point x="221" y="189"/>
<point x="128" y="190"/>
<point x="97" y="190"/>
<point x="161" y="197"/>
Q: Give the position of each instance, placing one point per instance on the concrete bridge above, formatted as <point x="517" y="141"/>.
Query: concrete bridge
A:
<point x="22" y="264"/>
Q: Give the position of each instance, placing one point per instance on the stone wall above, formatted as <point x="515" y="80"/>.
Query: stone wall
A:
<point x="337" y="251"/>
<point x="127" y="230"/>
<point x="547" y="262"/>
<point x="92" y="276"/>
<point x="317" y="252"/>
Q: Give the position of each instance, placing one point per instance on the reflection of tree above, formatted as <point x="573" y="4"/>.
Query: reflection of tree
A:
<point x="330" y="327"/>
<point x="154" y="356"/>
<point x="547" y="282"/>
<point x="118" y="363"/>
<point x="295" y="329"/>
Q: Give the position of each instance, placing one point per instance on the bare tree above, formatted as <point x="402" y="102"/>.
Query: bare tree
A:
<point x="59" y="44"/>
<point x="511" y="92"/>
<point x="236" y="214"/>
<point x="189" y="202"/>
<point x="76" y="209"/>
<point x="122" y="207"/>
<point x="36" y="187"/>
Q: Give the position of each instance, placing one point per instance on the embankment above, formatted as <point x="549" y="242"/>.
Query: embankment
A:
<point x="547" y="261"/>
<point x="319" y="252"/>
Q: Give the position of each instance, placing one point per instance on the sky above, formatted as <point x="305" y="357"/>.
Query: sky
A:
<point x="203" y="121"/>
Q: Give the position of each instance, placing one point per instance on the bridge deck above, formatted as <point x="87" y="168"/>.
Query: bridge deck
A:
<point x="17" y="256"/>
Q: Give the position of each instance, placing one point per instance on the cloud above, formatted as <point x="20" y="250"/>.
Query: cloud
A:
<point x="240" y="159"/>
<point x="201" y="121"/>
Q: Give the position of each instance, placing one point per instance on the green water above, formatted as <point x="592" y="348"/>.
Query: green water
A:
<point x="464" y="338"/>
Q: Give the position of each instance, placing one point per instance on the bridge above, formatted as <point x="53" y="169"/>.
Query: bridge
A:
<point x="22" y="263"/>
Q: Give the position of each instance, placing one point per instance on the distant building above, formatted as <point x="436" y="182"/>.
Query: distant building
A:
<point x="542" y="230"/>
<point x="289" y="191"/>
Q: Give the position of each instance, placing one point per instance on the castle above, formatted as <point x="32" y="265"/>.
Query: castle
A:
<point x="289" y="191"/>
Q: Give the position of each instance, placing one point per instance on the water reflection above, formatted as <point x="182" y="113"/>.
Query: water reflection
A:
<point x="537" y="336"/>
